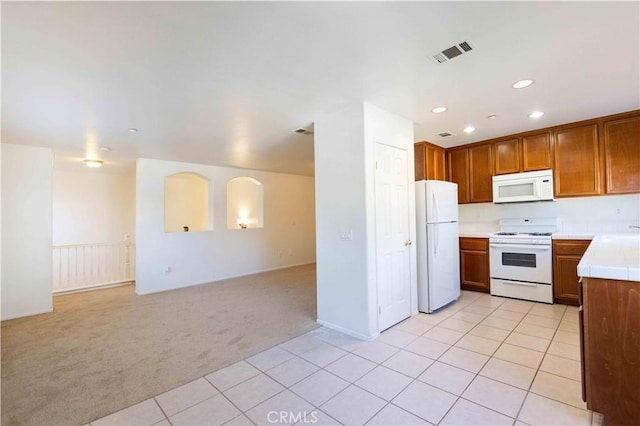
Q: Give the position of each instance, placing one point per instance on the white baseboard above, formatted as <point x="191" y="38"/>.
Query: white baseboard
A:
<point x="27" y="314"/>
<point x="346" y="331"/>
<point x="226" y="277"/>
<point x="91" y="288"/>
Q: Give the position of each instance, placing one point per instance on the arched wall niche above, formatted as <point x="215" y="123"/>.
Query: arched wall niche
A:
<point x="245" y="203"/>
<point x="187" y="203"/>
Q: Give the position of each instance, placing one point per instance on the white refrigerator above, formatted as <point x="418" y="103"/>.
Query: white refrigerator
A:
<point x="437" y="244"/>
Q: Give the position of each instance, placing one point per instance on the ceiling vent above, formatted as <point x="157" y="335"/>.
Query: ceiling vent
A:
<point x="303" y="131"/>
<point x="445" y="134"/>
<point x="451" y="52"/>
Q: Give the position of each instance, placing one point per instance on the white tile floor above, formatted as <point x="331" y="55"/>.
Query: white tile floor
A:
<point x="481" y="361"/>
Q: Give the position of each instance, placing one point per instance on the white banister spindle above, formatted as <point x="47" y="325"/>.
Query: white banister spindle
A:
<point x="92" y="265"/>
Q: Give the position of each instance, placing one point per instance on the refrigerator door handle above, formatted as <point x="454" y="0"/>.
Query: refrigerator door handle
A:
<point x="435" y="207"/>
<point x="436" y="240"/>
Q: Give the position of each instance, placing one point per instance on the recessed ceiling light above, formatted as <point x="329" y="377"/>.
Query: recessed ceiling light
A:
<point x="522" y="84"/>
<point x="93" y="163"/>
<point x="469" y="129"/>
<point x="133" y="130"/>
<point x="105" y="148"/>
<point x="536" y="114"/>
<point x="491" y="117"/>
<point x="439" y="109"/>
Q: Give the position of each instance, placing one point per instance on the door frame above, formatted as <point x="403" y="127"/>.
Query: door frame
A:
<point x="413" y="293"/>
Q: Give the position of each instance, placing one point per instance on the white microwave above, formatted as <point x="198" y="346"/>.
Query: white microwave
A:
<point x="523" y="187"/>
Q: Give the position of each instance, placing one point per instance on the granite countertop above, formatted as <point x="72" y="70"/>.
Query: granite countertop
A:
<point x="612" y="256"/>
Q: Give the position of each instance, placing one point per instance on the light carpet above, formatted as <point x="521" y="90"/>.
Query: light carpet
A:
<point x="104" y="350"/>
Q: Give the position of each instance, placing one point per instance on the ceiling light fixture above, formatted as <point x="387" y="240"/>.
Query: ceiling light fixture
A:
<point x="522" y="84"/>
<point x="133" y="130"/>
<point x="469" y="129"/>
<point x="438" y="110"/>
<point x="536" y="114"/>
<point x="93" y="163"/>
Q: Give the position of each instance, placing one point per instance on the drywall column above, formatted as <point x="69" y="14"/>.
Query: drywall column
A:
<point x="341" y="222"/>
<point x="345" y="214"/>
<point x="26" y="230"/>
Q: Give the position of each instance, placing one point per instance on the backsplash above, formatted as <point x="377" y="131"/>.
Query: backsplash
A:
<point x="606" y="214"/>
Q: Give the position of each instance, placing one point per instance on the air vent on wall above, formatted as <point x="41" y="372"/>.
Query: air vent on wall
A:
<point x="451" y="52"/>
<point x="445" y="134"/>
<point x="303" y="131"/>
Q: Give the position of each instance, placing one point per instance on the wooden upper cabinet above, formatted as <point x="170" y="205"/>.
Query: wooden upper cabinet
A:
<point x="419" y="161"/>
<point x="507" y="157"/>
<point x="458" y="166"/>
<point x="576" y="161"/>
<point x="429" y="161"/>
<point x="622" y="155"/>
<point x="480" y="173"/>
<point x="536" y="152"/>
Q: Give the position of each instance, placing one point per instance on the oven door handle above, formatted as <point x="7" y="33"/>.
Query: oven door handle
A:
<point x="521" y="246"/>
<point x="519" y="283"/>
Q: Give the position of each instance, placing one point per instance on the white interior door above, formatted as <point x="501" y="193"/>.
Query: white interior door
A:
<point x="392" y="236"/>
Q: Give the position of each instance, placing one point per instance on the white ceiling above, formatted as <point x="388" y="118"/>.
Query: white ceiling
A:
<point x="226" y="83"/>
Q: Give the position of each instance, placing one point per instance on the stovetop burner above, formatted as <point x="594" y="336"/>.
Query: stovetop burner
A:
<point x="522" y="234"/>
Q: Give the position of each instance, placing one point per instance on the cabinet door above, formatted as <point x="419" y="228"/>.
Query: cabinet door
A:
<point x="419" y="154"/>
<point x="474" y="270"/>
<point x="565" y="283"/>
<point x="536" y="152"/>
<point x="480" y="173"/>
<point x="566" y="256"/>
<point x="622" y="155"/>
<point x="459" y="172"/>
<point x="576" y="161"/>
<point x="435" y="163"/>
<point x="429" y="162"/>
<point x="507" y="156"/>
<point x="611" y="330"/>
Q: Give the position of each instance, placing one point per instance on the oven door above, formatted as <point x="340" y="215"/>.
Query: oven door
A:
<point x="521" y="262"/>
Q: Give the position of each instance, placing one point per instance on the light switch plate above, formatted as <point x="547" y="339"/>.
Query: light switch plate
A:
<point x="346" y="235"/>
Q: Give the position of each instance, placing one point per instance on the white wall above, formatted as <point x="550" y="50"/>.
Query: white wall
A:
<point x="344" y="163"/>
<point x="92" y="206"/>
<point x="186" y="203"/>
<point x="610" y="213"/>
<point x="26" y="230"/>
<point x="194" y="258"/>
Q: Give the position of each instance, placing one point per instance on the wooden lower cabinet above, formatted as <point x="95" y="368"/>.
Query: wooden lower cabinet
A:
<point x="610" y="349"/>
<point x="566" y="256"/>
<point x="474" y="264"/>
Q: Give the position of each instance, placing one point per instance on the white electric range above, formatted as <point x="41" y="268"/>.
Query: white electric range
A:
<point x="520" y="262"/>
